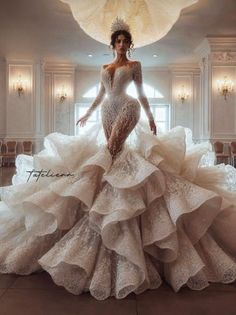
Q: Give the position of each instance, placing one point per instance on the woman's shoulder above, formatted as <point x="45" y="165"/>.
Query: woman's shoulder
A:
<point x="106" y="65"/>
<point x="135" y="62"/>
<point x="136" y="66"/>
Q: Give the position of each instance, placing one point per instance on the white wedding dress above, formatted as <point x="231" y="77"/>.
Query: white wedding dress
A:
<point x="160" y="210"/>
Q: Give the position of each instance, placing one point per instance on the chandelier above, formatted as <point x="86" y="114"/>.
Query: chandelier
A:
<point x="149" y="20"/>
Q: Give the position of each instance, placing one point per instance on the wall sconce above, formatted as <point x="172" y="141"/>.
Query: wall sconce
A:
<point x="225" y="87"/>
<point x="62" y="95"/>
<point x="183" y="95"/>
<point x="19" y="85"/>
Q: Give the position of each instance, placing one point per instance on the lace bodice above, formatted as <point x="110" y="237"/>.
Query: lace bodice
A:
<point x="117" y="83"/>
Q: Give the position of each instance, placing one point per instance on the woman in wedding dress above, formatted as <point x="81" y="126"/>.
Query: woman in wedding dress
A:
<point x="120" y="112"/>
<point x="117" y="218"/>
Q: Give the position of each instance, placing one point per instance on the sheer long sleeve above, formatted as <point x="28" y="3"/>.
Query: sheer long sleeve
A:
<point x="138" y="81"/>
<point x="98" y="99"/>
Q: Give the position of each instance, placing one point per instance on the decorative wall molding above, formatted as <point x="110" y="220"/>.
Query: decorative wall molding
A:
<point x="219" y="47"/>
<point x="214" y="52"/>
<point x="226" y="43"/>
<point x="39" y="100"/>
<point x="223" y="112"/>
<point x="49" y="108"/>
<point x="59" y="116"/>
<point x="62" y="111"/>
<point x="225" y="138"/>
<point x="15" y="105"/>
<point x="59" y="67"/>
<point x="24" y="115"/>
<point x="182" y="114"/>
<point x="196" y="107"/>
<point x="22" y="62"/>
<point x="184" y="68"/>
<point x="2" y="97"/>
<point x="223" y="57"/>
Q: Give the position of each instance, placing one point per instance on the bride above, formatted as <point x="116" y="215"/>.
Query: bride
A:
<point x="120" y="113"/>
<point x="116" y="218"/>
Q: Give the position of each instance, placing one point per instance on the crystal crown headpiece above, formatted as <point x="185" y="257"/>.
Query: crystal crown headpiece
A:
<point x="118" y="25"/>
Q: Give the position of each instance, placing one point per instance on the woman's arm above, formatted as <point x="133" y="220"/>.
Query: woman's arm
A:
<point x="97" y="100"/>
<point x="93" y="106"/>
<point x="138" y="81"/>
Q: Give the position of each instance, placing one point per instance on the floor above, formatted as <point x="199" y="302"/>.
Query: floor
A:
<point x="37" y="294"/>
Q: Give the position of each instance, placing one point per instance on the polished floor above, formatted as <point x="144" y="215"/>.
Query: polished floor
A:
<point x="37" y="294"/>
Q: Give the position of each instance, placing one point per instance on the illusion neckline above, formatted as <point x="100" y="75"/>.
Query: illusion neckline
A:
<point x="112" y="78"/>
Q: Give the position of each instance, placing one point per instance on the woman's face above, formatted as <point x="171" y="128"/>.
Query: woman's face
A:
<point x="122" y="44"/>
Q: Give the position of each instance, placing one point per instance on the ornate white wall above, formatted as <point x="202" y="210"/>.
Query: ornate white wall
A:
<point x="217" y="59"/>
<point x="23" y="115"/>
<point x="39" y="111"/>
<point x="59" y="116"/>
<point x="187" y="113"/>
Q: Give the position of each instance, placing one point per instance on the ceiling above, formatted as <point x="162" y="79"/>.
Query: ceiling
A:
<point x="46" y="30"/>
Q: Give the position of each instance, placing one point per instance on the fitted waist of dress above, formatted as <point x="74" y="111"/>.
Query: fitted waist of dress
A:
<point x="119" y="95"/>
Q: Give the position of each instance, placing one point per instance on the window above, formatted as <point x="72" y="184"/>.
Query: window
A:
<point x="161" y="112"/>
<point x="149" y="91"/>
<point x="91" y="93"/>
<point x="131" y="90"/>
<point x="80" y="110"/>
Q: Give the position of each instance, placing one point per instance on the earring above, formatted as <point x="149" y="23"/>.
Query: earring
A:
<point x="129" y="52"/>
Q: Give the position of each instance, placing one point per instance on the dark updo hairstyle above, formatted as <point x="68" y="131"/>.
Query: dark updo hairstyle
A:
<point x="115" y="35"/>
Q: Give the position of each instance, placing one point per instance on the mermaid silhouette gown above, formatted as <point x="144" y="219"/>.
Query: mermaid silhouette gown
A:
<point x="124" y="219"/>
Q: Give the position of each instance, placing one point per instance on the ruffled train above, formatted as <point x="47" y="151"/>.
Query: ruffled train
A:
<point x="160" y="211"/>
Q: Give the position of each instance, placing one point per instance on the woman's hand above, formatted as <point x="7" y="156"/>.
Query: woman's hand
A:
<point x="82" y="120"/>
<point x="153" y="126"/>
